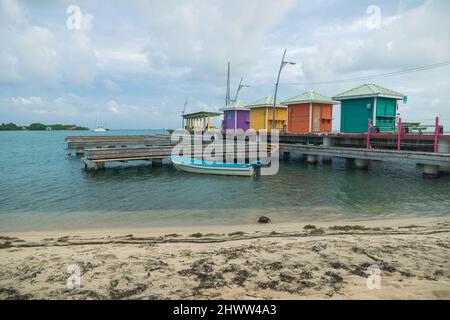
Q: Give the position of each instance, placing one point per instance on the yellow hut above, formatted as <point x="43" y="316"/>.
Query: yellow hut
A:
<point x="261" y="114"/>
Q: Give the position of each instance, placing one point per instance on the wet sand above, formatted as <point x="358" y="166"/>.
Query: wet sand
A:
<point x="310" y="260"/>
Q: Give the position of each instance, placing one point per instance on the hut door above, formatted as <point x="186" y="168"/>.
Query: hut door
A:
<point x="316" y="119"/>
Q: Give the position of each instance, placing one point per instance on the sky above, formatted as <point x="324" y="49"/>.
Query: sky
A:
<point x="132" y="64"/>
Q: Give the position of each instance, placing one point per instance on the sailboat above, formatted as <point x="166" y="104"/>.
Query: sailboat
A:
<point x="99" y="128"/>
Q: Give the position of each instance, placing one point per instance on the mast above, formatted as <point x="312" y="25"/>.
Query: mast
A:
<point x="227" y="95"/>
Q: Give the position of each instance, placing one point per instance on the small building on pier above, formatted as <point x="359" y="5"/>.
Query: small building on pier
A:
<point x="368" y="101"/>
<point x="200" y="120"/>
<point x="236" y="116"/>
<point x="309" y="112"/>
<point x="261" y="115"/>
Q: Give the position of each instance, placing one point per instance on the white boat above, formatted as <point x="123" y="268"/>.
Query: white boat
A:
<point x="206" y="167"/>
<point x="99" y="128"/>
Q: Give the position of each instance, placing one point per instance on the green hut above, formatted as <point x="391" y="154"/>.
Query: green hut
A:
<point x="368" y="101"/>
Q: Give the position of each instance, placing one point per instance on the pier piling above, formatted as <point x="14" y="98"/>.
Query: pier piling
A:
<point x="157" y="162"/>
<point x="99" y="166"/>
<point x="311" y="158"/>
<point x="327" y="142"/>
<point x="362" y="163"/>
<point x="444" y="147"/>
<point x="430" y="171"/>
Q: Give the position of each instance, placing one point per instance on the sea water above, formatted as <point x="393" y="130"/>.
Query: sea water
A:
<point x="43" y="188"/>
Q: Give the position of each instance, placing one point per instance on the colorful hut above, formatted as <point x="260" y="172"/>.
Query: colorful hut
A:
<point x="236" y="116"/>
<point x="309" y="112"/>
<point x="368" y="101"/>
<point x="261" y="115"/>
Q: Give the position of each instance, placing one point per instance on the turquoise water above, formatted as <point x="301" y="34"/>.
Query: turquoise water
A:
<point x="42" y="188"/>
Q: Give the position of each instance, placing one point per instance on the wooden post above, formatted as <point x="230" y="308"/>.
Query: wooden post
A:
<point x="368" y="134"/>
<point x="399" y="133"/>
<point x="209" y="121"/>
<point x="436" y="135"/>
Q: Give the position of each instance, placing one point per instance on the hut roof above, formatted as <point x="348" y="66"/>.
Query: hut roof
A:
<point x="308" y="96"/>
<point x="238" y="105"/>
<point x="201" y="115"/>
<point x="264" y="102"/>
<point x="369" y="90"/>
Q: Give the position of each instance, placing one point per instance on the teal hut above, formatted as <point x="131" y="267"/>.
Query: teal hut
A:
<point x="368" y="101"/>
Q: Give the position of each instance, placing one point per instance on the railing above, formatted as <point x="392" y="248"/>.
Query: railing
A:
<point x="401" y="130"/>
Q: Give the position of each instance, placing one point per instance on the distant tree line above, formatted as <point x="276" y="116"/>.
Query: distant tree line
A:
<point x="40" y="126"/>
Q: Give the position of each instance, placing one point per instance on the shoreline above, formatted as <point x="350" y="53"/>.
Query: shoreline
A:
<point x="310" y="260"/>
<point x="221" y="228"/>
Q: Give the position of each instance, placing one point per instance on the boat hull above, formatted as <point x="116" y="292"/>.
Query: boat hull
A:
<point x="217" y="169"/>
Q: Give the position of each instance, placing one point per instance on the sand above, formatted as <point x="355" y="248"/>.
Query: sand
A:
<point x="309" y="260"/>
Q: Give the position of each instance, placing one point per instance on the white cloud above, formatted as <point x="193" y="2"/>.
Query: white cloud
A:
<point x="28" y="54"/>
<point x="111" y="85"/>
<point x="11" y="12"/>
<point x="27" y="101"/>
<point x="35" y="55"/>
<point x="419" y="37"/>
<point x="197" y="38"/>
<point x="150" y="56"/>
<point x="113" y="106"/>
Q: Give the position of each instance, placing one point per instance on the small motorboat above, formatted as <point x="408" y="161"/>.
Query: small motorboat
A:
<point x="206" y="167"/>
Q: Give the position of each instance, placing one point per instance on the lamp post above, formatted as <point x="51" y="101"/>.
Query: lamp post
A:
<point x="239" y="89"/>
<point x="182" y="113"/>
<point x="282" y="64"/>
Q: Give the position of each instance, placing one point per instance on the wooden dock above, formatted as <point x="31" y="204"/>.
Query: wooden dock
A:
<point x="99" y="150"/>
<point x="425" y="158"/>
<point x="411" y="142"/>
<point x="96" y="158"/>
<point x="80" y="143"/>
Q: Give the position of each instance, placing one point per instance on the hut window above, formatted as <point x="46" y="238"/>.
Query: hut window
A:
<point x="229" y="116"/>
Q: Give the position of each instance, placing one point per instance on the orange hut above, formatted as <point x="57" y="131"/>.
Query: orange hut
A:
<point x="309" y="112"/>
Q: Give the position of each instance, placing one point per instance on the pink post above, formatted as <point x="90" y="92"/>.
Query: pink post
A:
<point x="399" y="136"/>
<point x="436" y="135"/>
<point x="368" y="134"/>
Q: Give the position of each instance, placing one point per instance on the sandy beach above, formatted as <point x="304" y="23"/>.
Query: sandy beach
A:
<point x="310" y="260"/>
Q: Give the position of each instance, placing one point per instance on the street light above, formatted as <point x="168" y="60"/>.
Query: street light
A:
<point x="182" y="112"/>
<point x="239" y="88"/>
<point x="282" y="64"/>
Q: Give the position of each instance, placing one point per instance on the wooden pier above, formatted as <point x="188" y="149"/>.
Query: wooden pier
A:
<point x="99" y="150"/>
<point x="80" y="143"/>
<point x="385" y="140"/>
<point x="96" y="158"/>
<point x="432" y="162"/>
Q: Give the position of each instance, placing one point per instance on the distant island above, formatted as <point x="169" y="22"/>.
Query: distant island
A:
<point x="40" y="127"/>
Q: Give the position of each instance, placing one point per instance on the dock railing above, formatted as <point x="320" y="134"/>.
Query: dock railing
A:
<point x="403" y="129"/>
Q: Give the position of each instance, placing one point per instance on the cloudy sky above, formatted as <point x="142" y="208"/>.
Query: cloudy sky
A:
<point x="133" y="63"/>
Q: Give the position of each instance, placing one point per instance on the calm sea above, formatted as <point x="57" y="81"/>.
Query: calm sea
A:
<point x="42" y="188"/>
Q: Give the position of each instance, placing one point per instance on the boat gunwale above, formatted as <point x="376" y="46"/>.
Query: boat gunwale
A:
<point x="205" y="164"/>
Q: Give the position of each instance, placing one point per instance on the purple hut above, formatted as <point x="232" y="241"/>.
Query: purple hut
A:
<point x="236" y="116"/>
